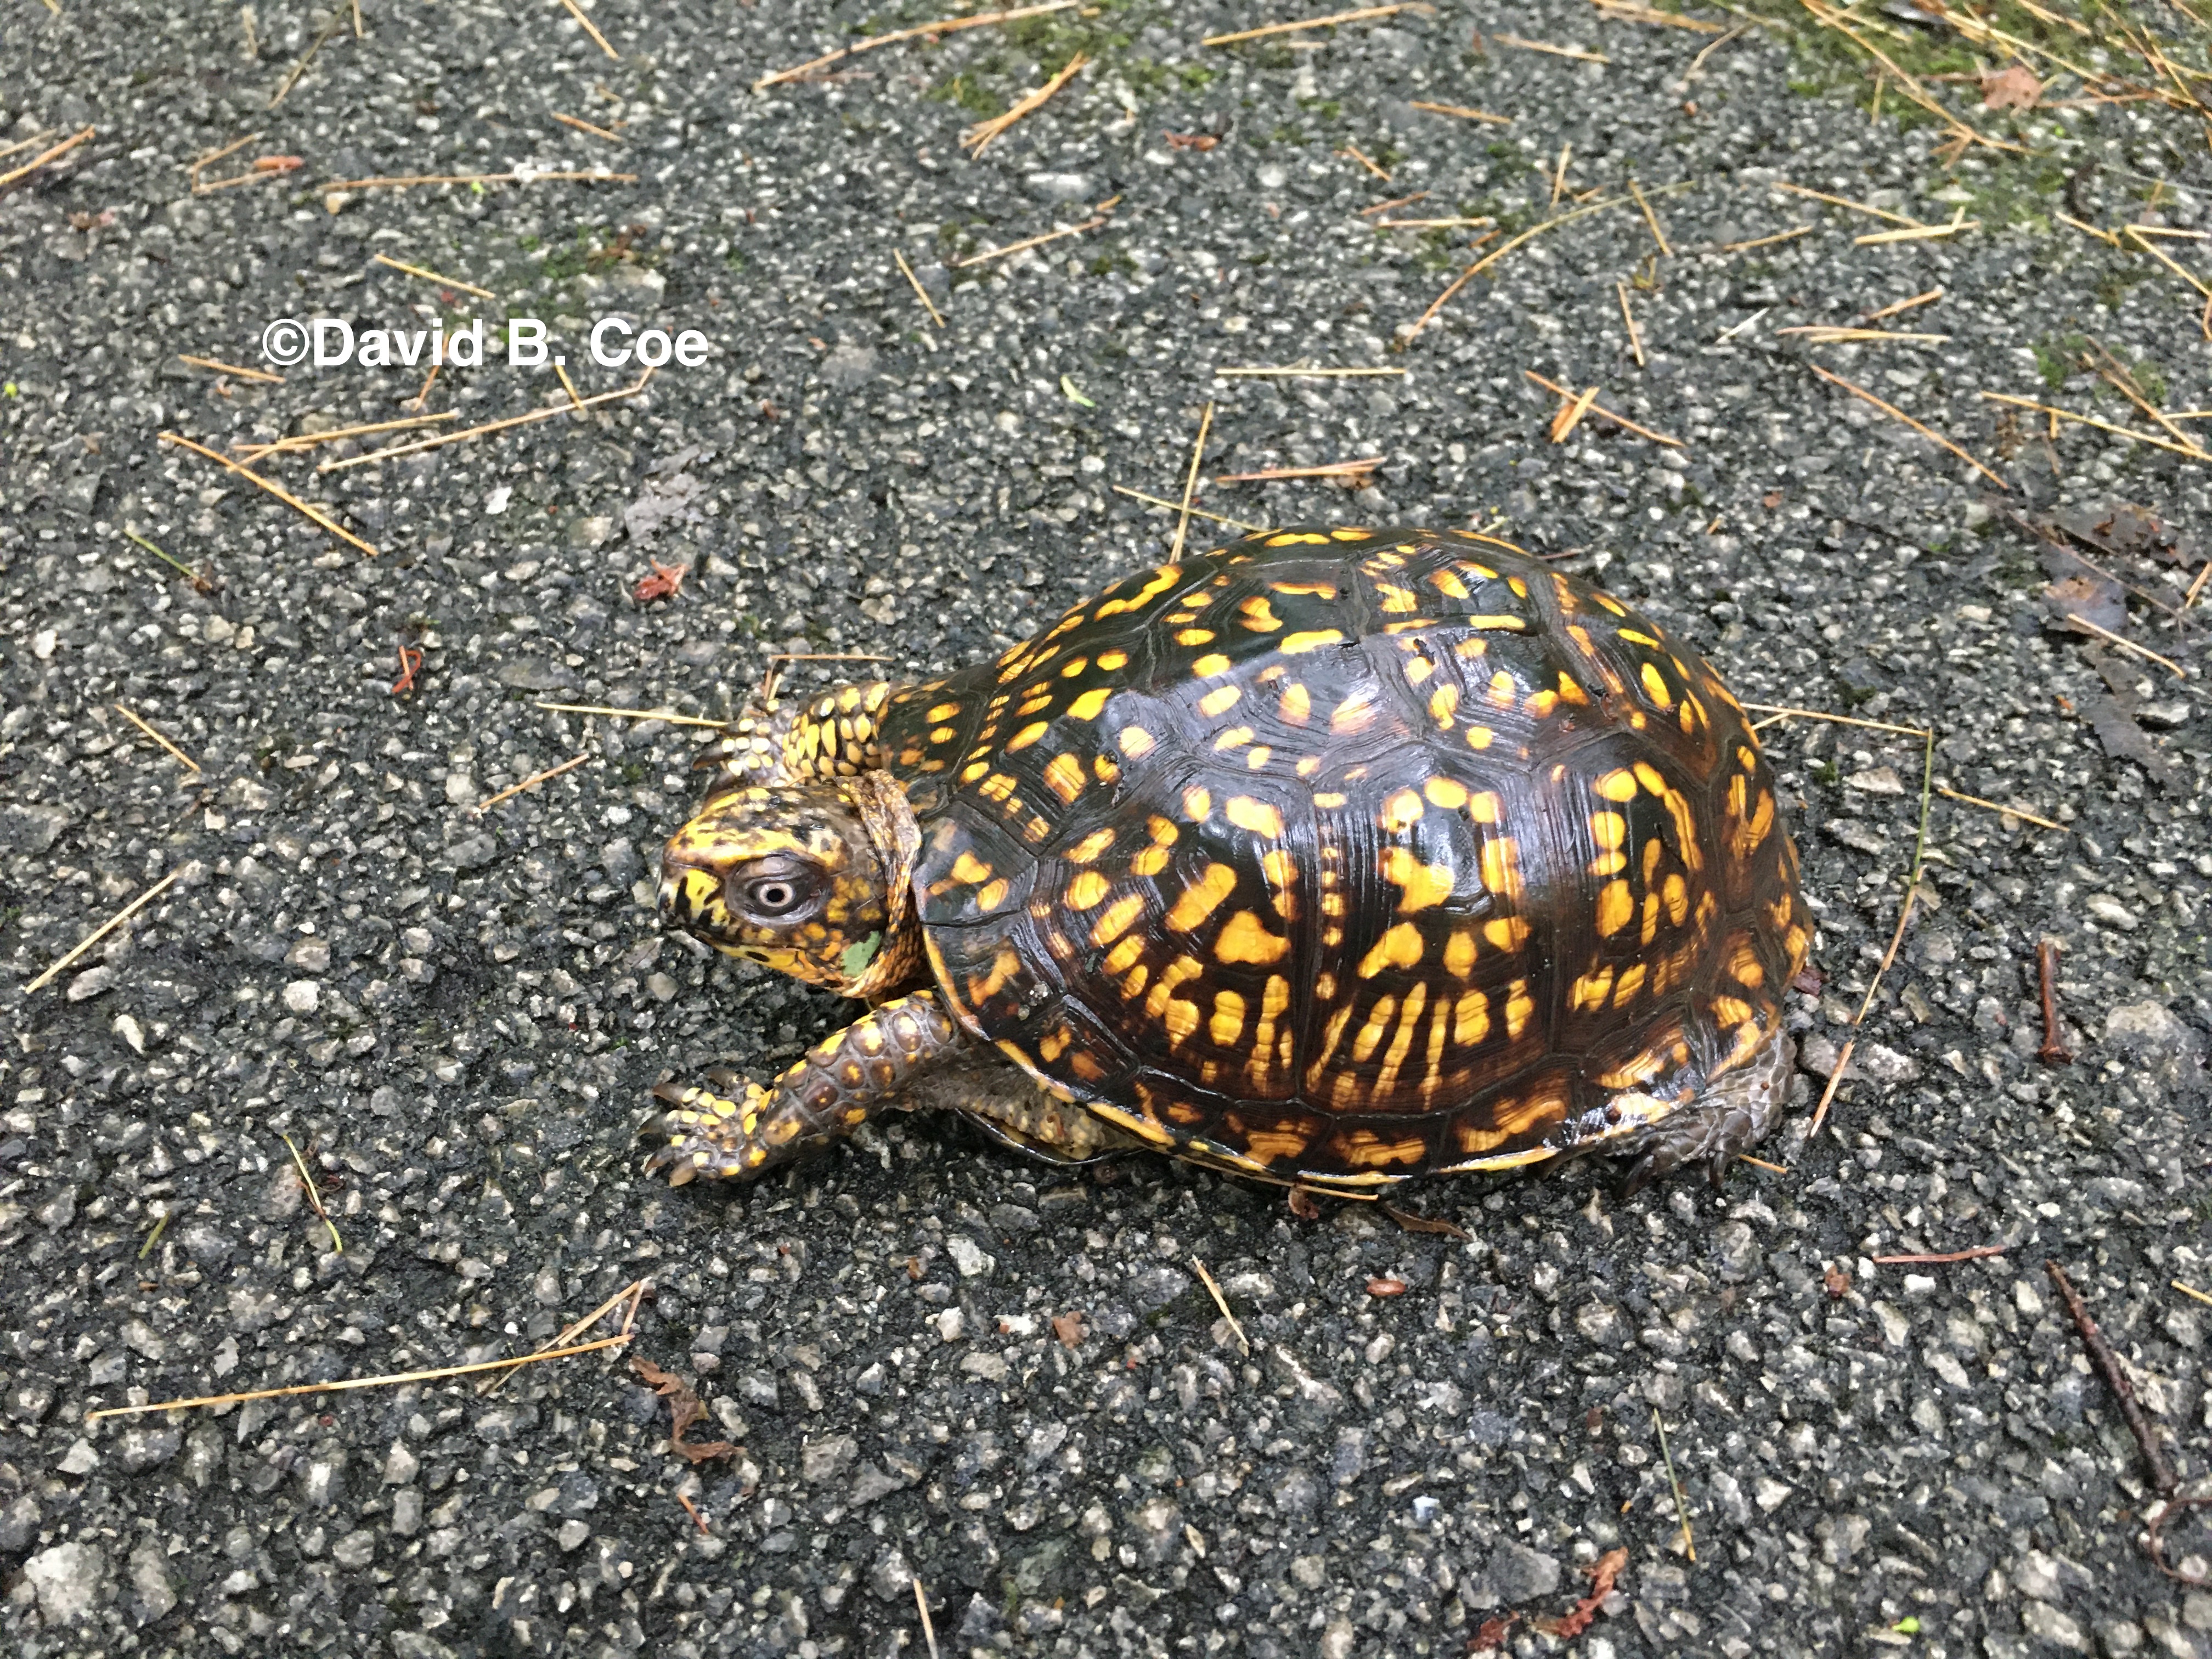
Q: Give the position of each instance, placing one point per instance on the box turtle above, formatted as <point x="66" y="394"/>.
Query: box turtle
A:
<point x="1332" y="856"/>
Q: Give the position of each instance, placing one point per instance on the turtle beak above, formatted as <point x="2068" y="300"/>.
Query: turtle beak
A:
<point x="690" y="898"/>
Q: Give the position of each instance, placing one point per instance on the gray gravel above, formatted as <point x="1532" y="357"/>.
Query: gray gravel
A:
<point x="457" y="1017"/>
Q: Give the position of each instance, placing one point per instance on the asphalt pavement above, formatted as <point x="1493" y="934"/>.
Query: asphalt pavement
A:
<point x="931" y="1362"/>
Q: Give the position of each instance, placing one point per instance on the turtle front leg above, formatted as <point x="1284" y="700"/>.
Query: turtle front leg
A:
<point x="841" y="1082"/>
<point x="1730" y="1118"/>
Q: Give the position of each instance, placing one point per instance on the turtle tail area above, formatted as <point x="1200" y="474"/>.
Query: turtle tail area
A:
<point x="1730" y="1118"/>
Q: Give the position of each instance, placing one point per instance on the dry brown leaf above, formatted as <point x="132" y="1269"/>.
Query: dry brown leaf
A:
<point x="1489" y="1635"/>
<point x="1302" y="1206"/>
<point x="684" y="1410"/>
<point x="1585" y="1610"/>
<point x="2013" y="87"/>
<point x="1425" y="1224"/>
<point x="1070" y="1328"/>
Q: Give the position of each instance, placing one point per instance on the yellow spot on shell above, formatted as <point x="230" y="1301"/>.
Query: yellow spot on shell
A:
<point x="1196" y="804"/>
<point x="1377" y="1025"/>
<point x="1631" y="980"/>
<point x="1330" y="801"/>
<point x="1501" y="873"/>
<point x="1446" y="584"/>
<point x="1235" y="738"/>
<point x="1655" y="683"/>
<point x="944" y="711"/>
<point x="1090" y="847"/>
<point x="1245" y="938"/>
<point x="1228" y="1021"/>
<point x="1311" y="640"/>
<point x="1459" y="954"/>
<point x="1199" y="900"/>
<point x="1206" y="667"/>
<point x="1614" y="908"/>
<point x="1091" y="704"/>
<point x="1125" y="954"/>
<point x="1506" y="932"/>
<point x="1442" y="701"/>
<point x="1650" y="776"/>
<point x="1400" y="947"/>
<point x="1194" y="636"/>
<point x="1136" y="742"/>
<point x="1220" y="700"/>
<point x="1470" y="1018"/>
<point x="1028" y="735"/>
<point x="1480" y="737"/>
<point x="1617" y="785"/>
<point x="1293" y="537"/>
<point x="1295" y="706"/>
<point x="1395" y="600"/>
<point x="991" y="896"/>
<point x="970" y="868"/>
<point x="1257" y="816"/>
<point x="1425" y="884"/>
<point x="1088" y="890"/>
<point x="1355" y="714"/>
<point x="1063" y="775"/>
<point x="1518" y="1007"/>
<point x="1401" y="811"/>
<point x="1118" y="918"/>
<point x="1150" y="861"/>
<point x="1113" y="661"/>
<point x="1447" y="792"/>
<point x="1608" y="828"/>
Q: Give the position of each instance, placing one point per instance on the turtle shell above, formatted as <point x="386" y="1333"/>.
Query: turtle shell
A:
<point x="1342" y="855"/>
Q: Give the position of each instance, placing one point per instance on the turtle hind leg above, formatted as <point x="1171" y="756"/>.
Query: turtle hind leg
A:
<point x="1003" y="1103"/>
<point x="1731" y="1117"/>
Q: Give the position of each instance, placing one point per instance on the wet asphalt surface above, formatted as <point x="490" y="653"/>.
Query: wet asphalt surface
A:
<point x="457" y="1016"/>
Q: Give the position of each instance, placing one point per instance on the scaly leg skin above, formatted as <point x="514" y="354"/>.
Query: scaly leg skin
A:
<point x="843" y="1080"/>
<point x="834" y="735"/>
<point x="1731" y="1117"/>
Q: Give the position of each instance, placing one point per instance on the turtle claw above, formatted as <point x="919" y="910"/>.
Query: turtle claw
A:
<point x="708" y="1134"/>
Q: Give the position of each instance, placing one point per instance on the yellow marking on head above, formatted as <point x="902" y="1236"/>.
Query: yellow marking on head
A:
<point x="1401" y="813"/>
<point x="1119" y="916"/>
<point x="1425" y="884"/>
<point x="1400" y="947"/>
<point x="1089" y="889"/>
<point x="1220" y="700"/>
<point x="1245" y="938"/>
<point x="1136" y="742"/>
<point x="1227" y="1024"/>
<point x="1257" y="816"/>
<point x="1194" y="636"/>
<point x="1310" y="640"/>
<point x="1199" y="900"/>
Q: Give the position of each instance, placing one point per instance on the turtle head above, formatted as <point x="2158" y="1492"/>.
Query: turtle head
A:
<point x="797" y="877"/>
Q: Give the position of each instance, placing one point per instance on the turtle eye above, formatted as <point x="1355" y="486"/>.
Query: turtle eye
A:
<point x="776" y="889"/>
